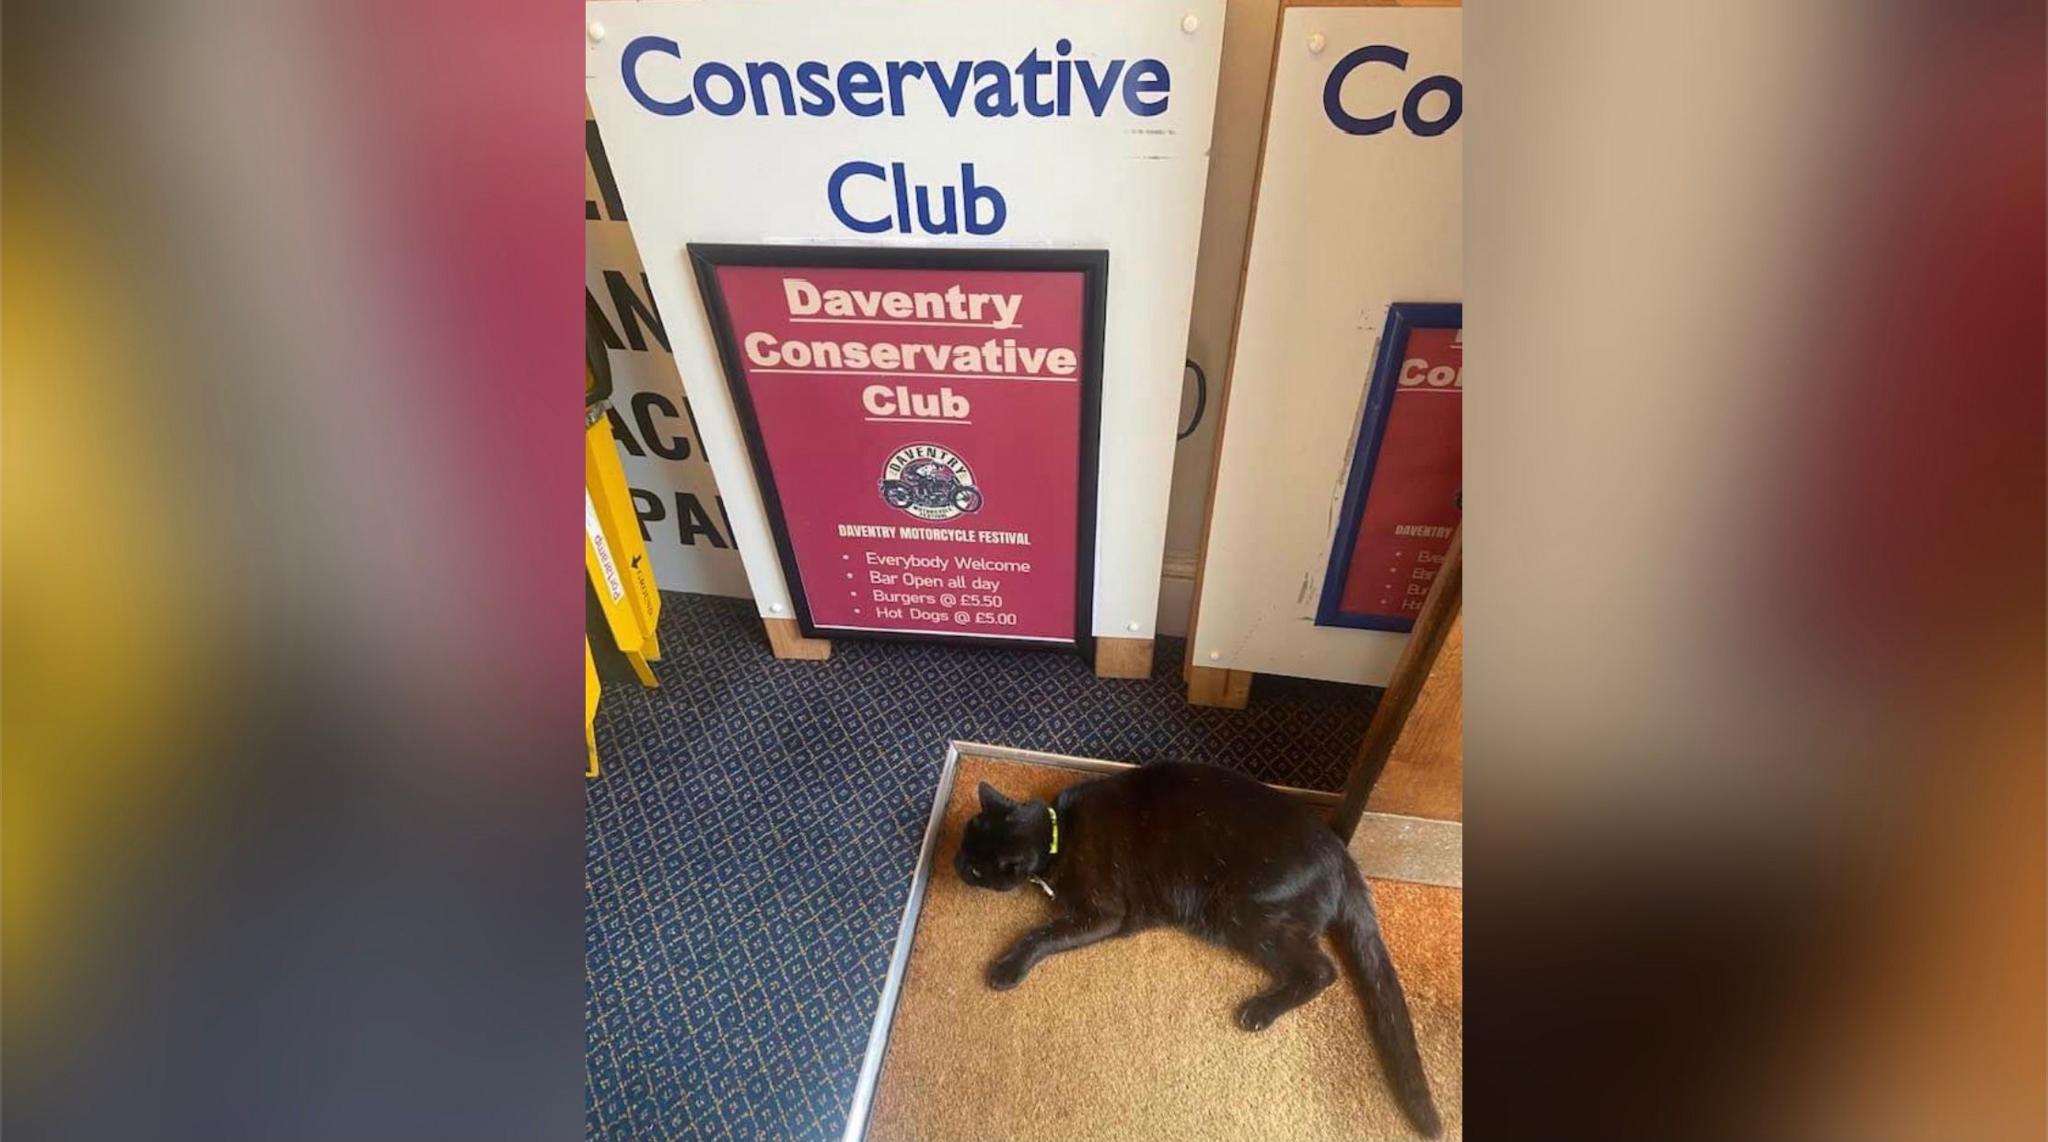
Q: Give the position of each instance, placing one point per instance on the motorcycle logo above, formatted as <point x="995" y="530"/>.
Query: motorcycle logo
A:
<point x="929" y="482"/>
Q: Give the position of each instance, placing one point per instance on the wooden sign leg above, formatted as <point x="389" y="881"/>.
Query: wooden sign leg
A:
<point x="1432" y="627"/>
<point x="1123" y="658"/>
<point x="787" y="640"/>
<point x="1218" y="687"/>
<point x="1425" y="775"/>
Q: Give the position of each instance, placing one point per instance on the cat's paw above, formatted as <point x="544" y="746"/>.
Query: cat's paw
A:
<point x="1256" y="1014"/>
<point x="1007" y="972"/>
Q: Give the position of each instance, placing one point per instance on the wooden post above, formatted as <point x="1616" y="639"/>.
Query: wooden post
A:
<point x="787" y="640"/>
<point x="1123" y="658"/>
<point x="1425" y="776"/>
<point x="1219" y="687"/>
<point x="1432" y="626"/>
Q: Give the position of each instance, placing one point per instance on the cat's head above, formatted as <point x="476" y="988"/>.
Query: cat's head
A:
<point x="1005" y="844"/>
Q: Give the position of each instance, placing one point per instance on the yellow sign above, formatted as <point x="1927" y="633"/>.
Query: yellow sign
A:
<point x="591" y="689"/>
<point x="605" y="482"/>
<point x="602" y="564"/>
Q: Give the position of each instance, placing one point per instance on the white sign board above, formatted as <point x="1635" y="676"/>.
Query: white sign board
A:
<point x="1046" y="124"/>
<point x="675" y="497"/>
<point x="1359" y="201"/>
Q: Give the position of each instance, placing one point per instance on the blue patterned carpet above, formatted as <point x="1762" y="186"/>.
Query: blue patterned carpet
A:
<point x="751" y="843"/>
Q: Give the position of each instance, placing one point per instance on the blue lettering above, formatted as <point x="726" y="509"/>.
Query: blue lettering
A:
<point x="859" y="79"/>
<point x="1031" y="71"/>
<point x="1411" y="110"/>
<point x="900" y="70"/>
<point x="814" y="78"/>
<point x="1098" y="93"/>
<point x="949" y="94"/>
<point x="995" y="81"/>
<point x="1145" y="77"/>
<point x="973" y="195"/>
<point x="756" y="72"/>
<point x="900" y="184"/>
<point x="834" y="195"/>
<point x="629" y="61"/>
<point x="1333" y="88"/>
<point x="1066" y="76"/>
<point x="972" y="207"/>
<point x="943" y="224"/>
<point x="1039" y="84"/>
<point x="735" y="90"/>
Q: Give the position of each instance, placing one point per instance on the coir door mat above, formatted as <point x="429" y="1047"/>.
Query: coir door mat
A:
<point x="1133" y="1038"/>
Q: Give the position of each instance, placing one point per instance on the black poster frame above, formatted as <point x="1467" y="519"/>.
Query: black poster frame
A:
<point x="707" y="258"/>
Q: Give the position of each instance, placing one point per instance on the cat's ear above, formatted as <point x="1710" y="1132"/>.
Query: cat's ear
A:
<point x="992" y="800"/>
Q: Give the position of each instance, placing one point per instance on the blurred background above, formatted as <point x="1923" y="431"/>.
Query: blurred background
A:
<point x="1755" y="345"/>
<point x="293" y="795"/>
<point x="292" y="815"/>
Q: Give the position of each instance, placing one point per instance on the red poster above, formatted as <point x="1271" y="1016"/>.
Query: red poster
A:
<point x="923" y="427"/>
<point x="1405" y="494"/>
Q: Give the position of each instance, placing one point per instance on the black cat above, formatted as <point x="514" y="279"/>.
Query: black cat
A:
<point x="1216" y="854"/>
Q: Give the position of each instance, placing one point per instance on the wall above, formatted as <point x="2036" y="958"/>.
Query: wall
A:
<point x="1346" y="224"/>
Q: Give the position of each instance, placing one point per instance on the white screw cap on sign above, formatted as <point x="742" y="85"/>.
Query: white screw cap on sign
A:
<point x="1134" y="626"/>
<point x="595" y="32"/>
<point x="1215" y="655"/>
<point x="1189" y="23"/>
<point x="1316" y="42"/>
<point x="776" y="607"/>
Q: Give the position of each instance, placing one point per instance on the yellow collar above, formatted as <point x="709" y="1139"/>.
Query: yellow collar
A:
<point x="1054" y="814"/>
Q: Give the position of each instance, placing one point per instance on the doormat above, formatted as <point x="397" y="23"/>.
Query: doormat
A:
<point x="1134" y="1037"/>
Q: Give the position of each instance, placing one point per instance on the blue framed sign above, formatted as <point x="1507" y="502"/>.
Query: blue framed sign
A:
<point x="1404" y="497"/>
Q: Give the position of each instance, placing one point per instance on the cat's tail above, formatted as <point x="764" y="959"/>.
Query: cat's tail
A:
<point x="1386" y="1009"/>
